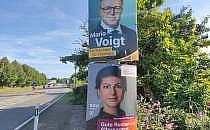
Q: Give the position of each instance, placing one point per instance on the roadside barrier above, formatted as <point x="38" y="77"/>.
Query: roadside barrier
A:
<point x="36" y="117"/>
<point x="40" y="112"/>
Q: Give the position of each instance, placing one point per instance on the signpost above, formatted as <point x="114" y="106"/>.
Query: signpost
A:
<point x="36" y="117"/>
<point x="112" y="93"/>
<point x="112" y="30"/>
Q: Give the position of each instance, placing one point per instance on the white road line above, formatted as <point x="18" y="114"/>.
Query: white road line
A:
<point x="31" y="118"/>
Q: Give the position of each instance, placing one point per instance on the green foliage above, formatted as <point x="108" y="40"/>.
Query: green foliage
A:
<point x="33" y="75"/>
<point x="80" y="60"/>
<point x="172" y="68"/>
<point x="19" y="73"/>
<point x="4" y="69"/>
<point x="171" y="64"/>
<point x="80" y="94"/>
<point x="153" y="116"/>
<point x="16" y="75"/>
<point x="194" y="121"/>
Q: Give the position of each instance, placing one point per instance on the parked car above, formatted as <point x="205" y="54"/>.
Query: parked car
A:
<point x="50" y="85"/>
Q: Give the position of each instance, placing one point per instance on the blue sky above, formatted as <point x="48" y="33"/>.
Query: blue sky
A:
<point x="38" y="32"/>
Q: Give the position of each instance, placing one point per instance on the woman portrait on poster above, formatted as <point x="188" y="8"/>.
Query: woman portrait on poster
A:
<point x="111" y="89"/>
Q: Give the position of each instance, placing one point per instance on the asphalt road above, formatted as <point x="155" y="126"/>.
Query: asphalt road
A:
<point x="16" y="108"/>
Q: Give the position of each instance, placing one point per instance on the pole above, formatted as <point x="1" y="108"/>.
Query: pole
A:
<point x="75" y="67"/>
<point x="36" y="117"/>
<point x="75" y="78"/>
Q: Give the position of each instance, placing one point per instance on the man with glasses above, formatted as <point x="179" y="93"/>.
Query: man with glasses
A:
<point x="110" y="33"/>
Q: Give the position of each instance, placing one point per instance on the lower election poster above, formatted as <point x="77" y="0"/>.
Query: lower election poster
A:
<point x="111" y="97"/>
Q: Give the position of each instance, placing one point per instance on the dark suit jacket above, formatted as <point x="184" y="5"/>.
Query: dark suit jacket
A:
<point x="92" y="123"/>
<point x="124" y="49"/>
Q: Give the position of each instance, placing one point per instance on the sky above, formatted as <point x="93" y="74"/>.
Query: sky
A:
<point x="38" y="32"/>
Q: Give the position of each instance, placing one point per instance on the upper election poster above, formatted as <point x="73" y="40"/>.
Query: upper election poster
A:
<point x="112" y="30"/>
<point x="111" y="97"/>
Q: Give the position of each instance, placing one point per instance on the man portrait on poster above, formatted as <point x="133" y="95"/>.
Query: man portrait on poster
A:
<point x="109" y="32"/>
<point x="111" y="89"/>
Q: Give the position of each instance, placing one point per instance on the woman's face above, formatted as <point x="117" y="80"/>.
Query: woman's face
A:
<point x="111" y="91"/>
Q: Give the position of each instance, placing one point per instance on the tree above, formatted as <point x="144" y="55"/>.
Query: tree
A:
<point x="14" y="74"/>
<point x="4" y="65"/>
<point x="32" y="75"/>
<point x="80" y="60"/>
<point x="170" y="44"/>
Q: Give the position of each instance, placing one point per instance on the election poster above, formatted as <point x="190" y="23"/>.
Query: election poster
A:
<point x="111" y="97"/>
<point x="112" y="30"/>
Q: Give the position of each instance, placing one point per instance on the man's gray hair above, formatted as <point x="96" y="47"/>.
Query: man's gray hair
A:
<point x="121" y="2"/>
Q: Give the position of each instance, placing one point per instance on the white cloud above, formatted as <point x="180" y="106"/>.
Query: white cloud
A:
<point x="34" y="3"/>
<point x="39" y="51"/>
<point x="58" y="14"/>
<point x="42" y="49"/>
<point x="60" y="71"/>
<point x="53" y="35"/>
<point x="60" y="33"/>
<point x="39" y="61"/>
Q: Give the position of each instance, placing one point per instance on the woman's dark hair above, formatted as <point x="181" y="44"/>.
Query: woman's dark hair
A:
<point x="105" y="72"/>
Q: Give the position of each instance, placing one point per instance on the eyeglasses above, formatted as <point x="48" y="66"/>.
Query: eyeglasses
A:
<point x="109" y="86"/>
<point x="112" y="10"/>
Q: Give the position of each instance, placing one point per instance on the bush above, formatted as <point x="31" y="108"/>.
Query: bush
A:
<point x="154" y="117"/>
<point x="80" y="95"/>
<point x="151" y="116"/>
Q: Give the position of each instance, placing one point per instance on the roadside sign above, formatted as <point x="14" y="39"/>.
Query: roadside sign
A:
<point x="111" y="86"/>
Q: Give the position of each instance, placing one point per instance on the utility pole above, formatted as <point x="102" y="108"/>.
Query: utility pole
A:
<point x="75" y="56"/>
<point x="75" y="77"/>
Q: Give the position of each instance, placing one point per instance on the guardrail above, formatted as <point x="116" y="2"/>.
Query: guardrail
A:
<point x="33" y="117"/>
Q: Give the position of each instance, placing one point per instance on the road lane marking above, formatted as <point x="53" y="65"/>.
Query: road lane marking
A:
<point x="31" y="118"/>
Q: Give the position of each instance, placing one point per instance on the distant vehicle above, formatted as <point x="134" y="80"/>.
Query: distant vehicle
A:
<point x="33" y="83"/>
<point x="50" y="85"/>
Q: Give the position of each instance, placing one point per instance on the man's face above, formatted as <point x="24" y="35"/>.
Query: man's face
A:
<point x="110" y="12"/>
<point x="111" y="91"/>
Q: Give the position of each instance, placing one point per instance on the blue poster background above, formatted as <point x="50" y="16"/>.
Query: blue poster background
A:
<point x="128" y="17"/>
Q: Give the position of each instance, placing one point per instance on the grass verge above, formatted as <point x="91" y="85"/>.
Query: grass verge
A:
<point x="68" y="98"/>
<point x="9" y="90"/>
<point x="74" y="98"/>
